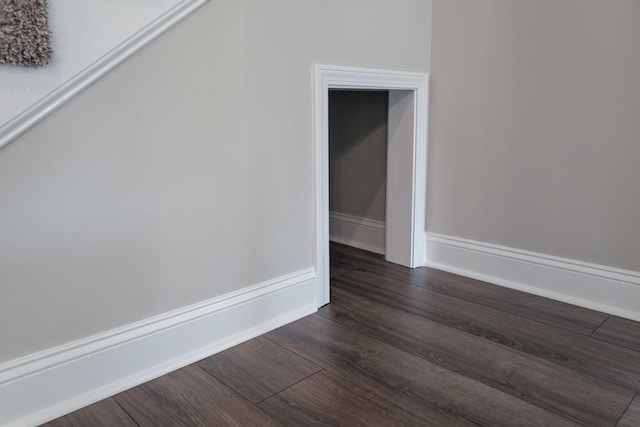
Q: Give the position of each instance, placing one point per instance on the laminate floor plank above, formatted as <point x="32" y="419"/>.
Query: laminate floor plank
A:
<point x="623" y="332"/>
<point x="339" y="264"/>
<point x="569" y="393"/>
<point x="631" y="418"/>
<point x="190" y="397"/>
<point x="540" y="309"/>
<point x="374" y="390"/>
<point x="404" y="347"/>
<point x="600" y="359"/>
<point x="338" y="269"/>
<point x="258" y="368"/>
<point x="336" y="348"/>
<point x="323" y="399"/>
<point x="105" y="413"/>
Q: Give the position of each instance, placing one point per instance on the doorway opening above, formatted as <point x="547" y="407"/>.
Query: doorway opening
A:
<point x="404" y="225"/>
<point x="358" y="127"/>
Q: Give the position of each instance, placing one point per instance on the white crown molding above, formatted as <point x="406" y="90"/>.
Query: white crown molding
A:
<point x="598" y="287"/>
<point x="362" y="233"/>
<point x="57" y="98"/>
<point x="43" y="386"/>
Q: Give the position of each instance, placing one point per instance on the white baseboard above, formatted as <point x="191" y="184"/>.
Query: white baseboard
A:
<point x="610" y="290"/>
<point x="43" y="386"/>
<point x="362" y="233"/>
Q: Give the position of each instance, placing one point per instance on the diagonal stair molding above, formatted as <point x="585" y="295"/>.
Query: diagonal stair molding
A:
<point x="17" y="126"/>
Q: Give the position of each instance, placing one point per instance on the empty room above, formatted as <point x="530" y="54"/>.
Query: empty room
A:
<point x="304" y="212"/>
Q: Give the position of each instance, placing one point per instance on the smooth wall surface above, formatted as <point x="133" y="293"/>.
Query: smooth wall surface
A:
<point x="82" y="32"/>
<point x="534" y="140"/>
<point x="184" y="174"/>
<point x="358" y="153"/>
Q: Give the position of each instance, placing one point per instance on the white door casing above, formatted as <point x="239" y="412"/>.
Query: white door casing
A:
<point x="406" y="163"/>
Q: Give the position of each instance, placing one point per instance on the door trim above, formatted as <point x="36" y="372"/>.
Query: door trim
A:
<point x="337" y="77"/>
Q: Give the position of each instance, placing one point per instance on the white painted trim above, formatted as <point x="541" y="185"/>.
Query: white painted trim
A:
<point x="401" y="188"/>
<point x="335" y="77"/>
<point x="43" y="386"/>
<point x="57" y="98"/>
<point x="359" y="232"/>
<point x="598" y="287"/>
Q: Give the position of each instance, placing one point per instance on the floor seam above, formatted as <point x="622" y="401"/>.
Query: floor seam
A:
<point x="426" y="288"/>
<point x="289" y="386"/>
<point x="599" y="326"/>
<point x="413" y="282"/>
<point x="127" y="412"/>
<point x="450" y="370"/>
<point x="616" y="344"/>
<point x="291" y="351"/>
<point x="609" y="380"/>
<point x="341" y="274"/>
<point x="626" y="409"/>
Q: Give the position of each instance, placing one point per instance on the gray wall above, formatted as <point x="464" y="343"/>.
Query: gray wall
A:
<point x="186" y="172"/>
<point x="535" y="126"/>
<point x="358" y="152"/>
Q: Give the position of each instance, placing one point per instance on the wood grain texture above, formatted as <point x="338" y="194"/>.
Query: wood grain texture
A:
<point x="631" y="418"/>
<point x="404" y="347"/>
<point x="338" y="269"/>
<point x="600" y="359"/>
<point x="623" y="332"/>
<point x="462" y="399"/>
<point x="258" y="368"/>
<point x="105" y="413"/>
<point x="574" y="395"/>
<point x="375" y="391"/>
<point x="339" y="264"/>
<point x="326" y="400"/>
<point x="190" y="397"/>
<point x="540" y="309"/>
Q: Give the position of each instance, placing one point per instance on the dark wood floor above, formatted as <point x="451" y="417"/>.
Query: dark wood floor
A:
<point x="405" y="347"/>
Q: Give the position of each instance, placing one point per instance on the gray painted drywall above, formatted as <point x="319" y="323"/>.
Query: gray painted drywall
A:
<point x="535" y="128"/>
<point x="358" y="152"/>
<point x="184" y="174"/>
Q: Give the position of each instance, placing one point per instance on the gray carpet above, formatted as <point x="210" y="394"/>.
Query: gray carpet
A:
<point x="24" y="33"/>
